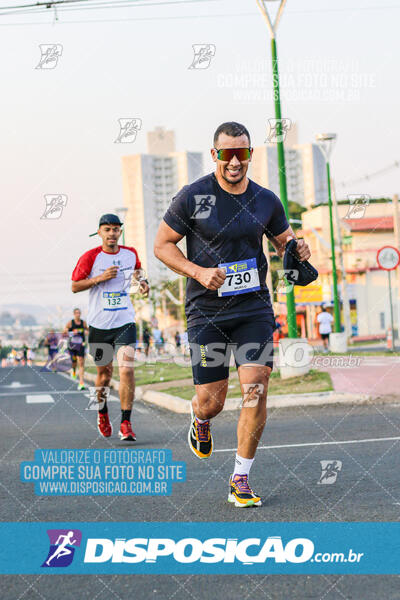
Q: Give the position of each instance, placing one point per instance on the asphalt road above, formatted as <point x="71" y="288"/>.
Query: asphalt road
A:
<point x="285" y="474"/>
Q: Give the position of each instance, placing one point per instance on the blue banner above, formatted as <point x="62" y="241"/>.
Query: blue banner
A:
<point x="74" y="472"/>
<point x="200" y="548"/>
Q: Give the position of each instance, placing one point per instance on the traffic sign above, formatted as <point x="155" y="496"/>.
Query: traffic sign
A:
<point x="388" y="258"/>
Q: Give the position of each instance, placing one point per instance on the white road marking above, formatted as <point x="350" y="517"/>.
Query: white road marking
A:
<point x="140" y="409"/>
<point x="136" y="407"/>
<point x="18" y="384"/>
<point x="12" y="394"/>
<point x="110" y="398"/>
<point x="40" y="399"/>
<point x="335" y="443"/>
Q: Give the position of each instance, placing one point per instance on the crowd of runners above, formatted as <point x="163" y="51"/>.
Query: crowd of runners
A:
<point x="223" y="216"/>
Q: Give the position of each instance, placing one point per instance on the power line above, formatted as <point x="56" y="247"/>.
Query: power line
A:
<point x="369" y="176"/>
<point x="41" y="7"/>
<point x="180" y="17"/>
<point x="37" y="4"/>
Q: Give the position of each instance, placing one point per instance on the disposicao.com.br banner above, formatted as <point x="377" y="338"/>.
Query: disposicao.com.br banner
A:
<point x="193" y="548"/>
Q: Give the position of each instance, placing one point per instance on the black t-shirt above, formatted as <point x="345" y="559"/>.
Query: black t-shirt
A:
<point x="221" y="227"/>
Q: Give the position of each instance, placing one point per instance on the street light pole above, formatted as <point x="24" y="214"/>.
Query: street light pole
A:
<point x="272" y="27"/>
<point x="326" y="142"/>
<point x="342" y="268"/>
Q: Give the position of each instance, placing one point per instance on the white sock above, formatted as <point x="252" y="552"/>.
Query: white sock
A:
<point x="201" y="421"/>
<point x="242" y="465"/>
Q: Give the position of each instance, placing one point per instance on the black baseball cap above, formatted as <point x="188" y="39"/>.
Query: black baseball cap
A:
<point x="108" y="219"/>
<point x="299" y="272"/>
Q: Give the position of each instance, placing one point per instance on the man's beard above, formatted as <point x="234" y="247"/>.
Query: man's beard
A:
<point x="233" y="182"/>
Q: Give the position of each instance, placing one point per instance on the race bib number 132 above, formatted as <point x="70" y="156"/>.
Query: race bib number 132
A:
<point x="241" y="277"/>
<point x="115" y="300"/>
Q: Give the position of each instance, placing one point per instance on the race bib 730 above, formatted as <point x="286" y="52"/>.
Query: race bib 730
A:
<point x="241" y="277"/>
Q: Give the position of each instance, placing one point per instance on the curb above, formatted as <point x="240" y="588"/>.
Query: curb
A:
<point x="114" y="385"/>
<point x="179" y="405"/>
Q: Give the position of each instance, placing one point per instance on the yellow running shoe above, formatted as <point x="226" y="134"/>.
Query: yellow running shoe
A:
<point x="240" y="493"/>
<point x="200" y="438"/>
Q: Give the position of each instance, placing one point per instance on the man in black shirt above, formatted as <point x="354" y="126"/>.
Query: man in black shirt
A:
<point x="224" y="217"/>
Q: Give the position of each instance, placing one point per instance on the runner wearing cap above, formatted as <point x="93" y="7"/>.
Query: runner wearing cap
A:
<point x="106" y="271"/>
<point x="76" y="330"/>
<point x="224" y="217"/>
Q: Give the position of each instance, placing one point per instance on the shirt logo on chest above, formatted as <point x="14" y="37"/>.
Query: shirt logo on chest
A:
<point x="204" y="204"/>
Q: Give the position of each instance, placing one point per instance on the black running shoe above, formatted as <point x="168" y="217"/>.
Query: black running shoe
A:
<point x="200" y="438"/>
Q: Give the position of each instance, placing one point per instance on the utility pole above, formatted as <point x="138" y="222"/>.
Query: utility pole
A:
<point x="345" y="296"/>
<point x="326" y="142"/>
<point x="272" y="27"/>
<point x="396" y="226"/>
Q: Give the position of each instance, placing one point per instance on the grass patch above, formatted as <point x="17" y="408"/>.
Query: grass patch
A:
<point x="314" y="381"/>
<point x="361" y="353"/>
<point x="146" y="373"/>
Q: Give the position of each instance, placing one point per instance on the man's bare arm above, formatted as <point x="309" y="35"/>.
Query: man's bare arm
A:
<point x="86" y="284"/>
<point x="66" y="328"/>
<point x="166" y="250"/>
<point x="279" y="242"/>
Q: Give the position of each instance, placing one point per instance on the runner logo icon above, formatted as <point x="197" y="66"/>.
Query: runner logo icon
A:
<point x="357" y="206"/>
<point x="278" y="129"/>
<point x="204" y="204"/>
<point x="62" y="547"/>
<point x="55" y="203"/>
<point x="203" y="54"/>
<point x="128" y="129"/>
<point x="330" y="470"/>
<point x="50" y="53"/>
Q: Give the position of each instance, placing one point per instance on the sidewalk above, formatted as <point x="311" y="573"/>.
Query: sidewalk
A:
<point x="374" y="375"/>
<point x="368" y="378"/>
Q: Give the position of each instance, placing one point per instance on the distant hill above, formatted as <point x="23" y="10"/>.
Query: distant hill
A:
<point x="41" y="315"/>
<point x="26" y="319"/>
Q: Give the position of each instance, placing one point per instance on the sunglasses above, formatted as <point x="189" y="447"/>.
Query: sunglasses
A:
<point x="226" y="154"/>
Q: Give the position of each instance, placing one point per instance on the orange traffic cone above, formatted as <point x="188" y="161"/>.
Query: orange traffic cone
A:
<point x="389" y="339"/>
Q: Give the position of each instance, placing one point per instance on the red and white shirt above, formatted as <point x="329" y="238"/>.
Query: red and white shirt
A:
<point x="109" y="302"/>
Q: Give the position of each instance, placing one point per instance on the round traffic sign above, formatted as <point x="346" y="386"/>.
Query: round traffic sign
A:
<point x="388" y="258"/>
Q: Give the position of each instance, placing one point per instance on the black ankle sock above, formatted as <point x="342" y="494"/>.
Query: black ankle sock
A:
<point x="125" y="415"/>
<point x="104" y="410"/>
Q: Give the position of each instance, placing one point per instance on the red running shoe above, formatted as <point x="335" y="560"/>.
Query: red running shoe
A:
<point x="103" y="425"/>
<point x="126" y="433"/>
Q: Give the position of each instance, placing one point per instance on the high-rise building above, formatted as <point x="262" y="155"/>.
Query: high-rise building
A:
<point x="149" y="183"/>
<point x="315" y="188"/>
<point x="160" y="141"/>
<point x="265" y="172"/>
<point x="305" y="172"/>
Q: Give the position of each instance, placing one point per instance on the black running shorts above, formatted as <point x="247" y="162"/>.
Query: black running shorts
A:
<point x="77" y="352"/>
<point x="250" y="340"/>
<point x="103" y="342"/>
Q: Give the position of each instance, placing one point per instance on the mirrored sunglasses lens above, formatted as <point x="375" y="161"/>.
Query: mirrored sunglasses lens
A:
<point x="226" y="154"/>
